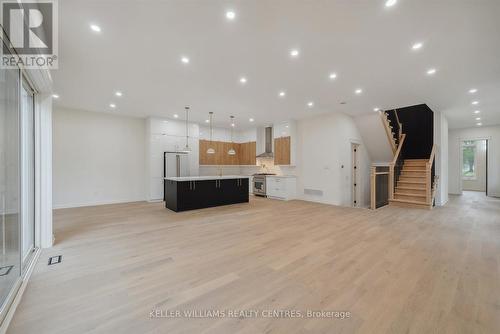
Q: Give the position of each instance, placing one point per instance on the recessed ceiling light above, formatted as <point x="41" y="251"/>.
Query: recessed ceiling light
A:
<point x="233" y="125"/>
<point x="390" y="3"/>
<point x="479" y="124"/>
<point x="55" y="96"/>
<point x="243" y="80"/>
<point x="176" y="116"/>
<point x="118" y="93"/>
<point x="417" y="46"/>
<point x="310" y="104"/>
<point x="333" y="76"/>
<point x="95" y="28"/>
<point x="376" y="109"/>
<point x="478" y="118"/>
<point x="294" y="53"/>
<point x="207" y="121"/>
<point x="358" y="91"/>
<point x="185" y="60"/>
<point x="112" y="105"/>
<point x="230" y="15"/>
<point x="477" y="111"/>
<point x="282" y="94"/>
<point x="251" y="120"/>
<point x="473" y="91"/>
<point x="431" y="71"/>
<point x="475" y="102"/>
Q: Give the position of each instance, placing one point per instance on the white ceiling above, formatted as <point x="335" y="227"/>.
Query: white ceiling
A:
<point x="368" y="45"/>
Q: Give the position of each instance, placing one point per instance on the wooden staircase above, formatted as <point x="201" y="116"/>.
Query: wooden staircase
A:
<point x="412" y="185"/>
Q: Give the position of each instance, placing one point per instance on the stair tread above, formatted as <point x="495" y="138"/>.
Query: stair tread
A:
<point x="409" y="188"/>
<point x="416" y="195"/>
<point x="414" y="170"/>
<point x="407" y="201"/>
<point x="417" y="182"/>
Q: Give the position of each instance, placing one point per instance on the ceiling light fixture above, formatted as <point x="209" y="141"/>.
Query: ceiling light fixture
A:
<point x="310" y="104"/>
<point x="417" y="46"/>
<point x="243" y="80"/>
<point x="207" y="121"/>
<point x="210" y="150"/>
<point x="282" y="94"/>
<point x="176" y="116"/>
<point x="294" y="53"/>
<point x="376" y="109"/>
<point x="477" y="111"/>
<point x="232" y="151"/>
<point x="332" y="76"/>
<point x="230" y="15"/>
<point x="251" y="120"/>
<point x="478" y="118"/>
<point x="95" y="28"/>
<point x="358" y="91"/>
<point x="473" y="91"/>
<point x="479" y="124"/>
<point x="185" y="60"/>
<point x="112" y="105"/>
<point x="390" y="3"/>
<point x="431" y="71"/>
<point x="55" y="96"/>
<point x="118" y="93"/>
<point x="475" y="103"/>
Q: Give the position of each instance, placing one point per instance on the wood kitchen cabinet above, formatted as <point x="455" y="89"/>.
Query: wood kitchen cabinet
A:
<point x="282" y="153"/>
<point x="245" y="153"/>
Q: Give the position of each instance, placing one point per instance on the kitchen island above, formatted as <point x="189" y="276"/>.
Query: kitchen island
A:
<point x="197" y="192"/>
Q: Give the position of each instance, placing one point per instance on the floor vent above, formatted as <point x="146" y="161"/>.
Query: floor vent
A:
<point x="55" y="259"/>
<point x="313" y="192"/>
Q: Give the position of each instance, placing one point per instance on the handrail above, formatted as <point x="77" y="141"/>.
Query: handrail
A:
<point x="392" y="164"/>
<point x="400" y="125"/>
<point x="388" y="131"/>
<point x="433" y="155"/>
<point x="428" y="175"/>
<point x="398" y="152"/>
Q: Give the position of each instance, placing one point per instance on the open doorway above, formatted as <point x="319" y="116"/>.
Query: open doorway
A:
<point x="474" y="166"/>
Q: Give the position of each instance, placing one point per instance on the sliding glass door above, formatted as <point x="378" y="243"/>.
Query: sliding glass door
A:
<point x="27" y="173"/>
<point x="10" y="185"/>
<point x="17" y="182"/>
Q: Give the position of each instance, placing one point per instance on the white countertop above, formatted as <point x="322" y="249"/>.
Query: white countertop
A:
<point x="203" y="178"/>
<point x="282" y="176"/>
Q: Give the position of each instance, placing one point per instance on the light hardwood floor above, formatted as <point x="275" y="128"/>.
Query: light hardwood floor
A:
<point x="396" y="270"/>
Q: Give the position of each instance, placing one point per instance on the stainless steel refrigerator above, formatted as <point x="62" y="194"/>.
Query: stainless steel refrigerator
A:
<point x="175" y="164"/>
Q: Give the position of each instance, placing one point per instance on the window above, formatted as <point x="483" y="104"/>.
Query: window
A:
<point x="469" y="160"/>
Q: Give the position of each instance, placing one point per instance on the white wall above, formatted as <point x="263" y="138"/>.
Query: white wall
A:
<point x="98" y="158"/>
<point x="441" y="159"/>
<point x="492" y="133"/>
<point x="375" y="137"/>
<point x="324" y="146"/>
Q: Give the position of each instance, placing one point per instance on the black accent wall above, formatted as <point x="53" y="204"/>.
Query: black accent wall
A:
<point x="418" y="125"/>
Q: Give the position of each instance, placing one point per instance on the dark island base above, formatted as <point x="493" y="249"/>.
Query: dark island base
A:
<point x="192" y="195"/>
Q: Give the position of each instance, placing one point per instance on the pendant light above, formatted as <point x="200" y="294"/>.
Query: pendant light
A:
<point x="232" y="150"/>
<point x="187" y="148"/>
<point x="211" y="150"/>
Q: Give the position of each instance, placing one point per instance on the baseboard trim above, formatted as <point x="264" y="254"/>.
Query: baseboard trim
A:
<point x="17" y="299"/>
<point x="97" y="203"/>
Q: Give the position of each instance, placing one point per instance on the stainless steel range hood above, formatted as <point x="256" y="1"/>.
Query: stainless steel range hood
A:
<point x="269" y="144"/>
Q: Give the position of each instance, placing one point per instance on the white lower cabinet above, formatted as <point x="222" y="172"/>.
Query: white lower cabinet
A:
<point x="281" y="187"/>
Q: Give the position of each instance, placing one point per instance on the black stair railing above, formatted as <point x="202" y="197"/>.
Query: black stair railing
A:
<point x="393" y="119"/>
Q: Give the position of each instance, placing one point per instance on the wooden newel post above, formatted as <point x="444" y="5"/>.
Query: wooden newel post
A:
<point x="373" y="188"/>
<point x="428" y="186"/>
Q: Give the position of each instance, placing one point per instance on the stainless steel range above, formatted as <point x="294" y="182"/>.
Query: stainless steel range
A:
<point x="259" y="184"/>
